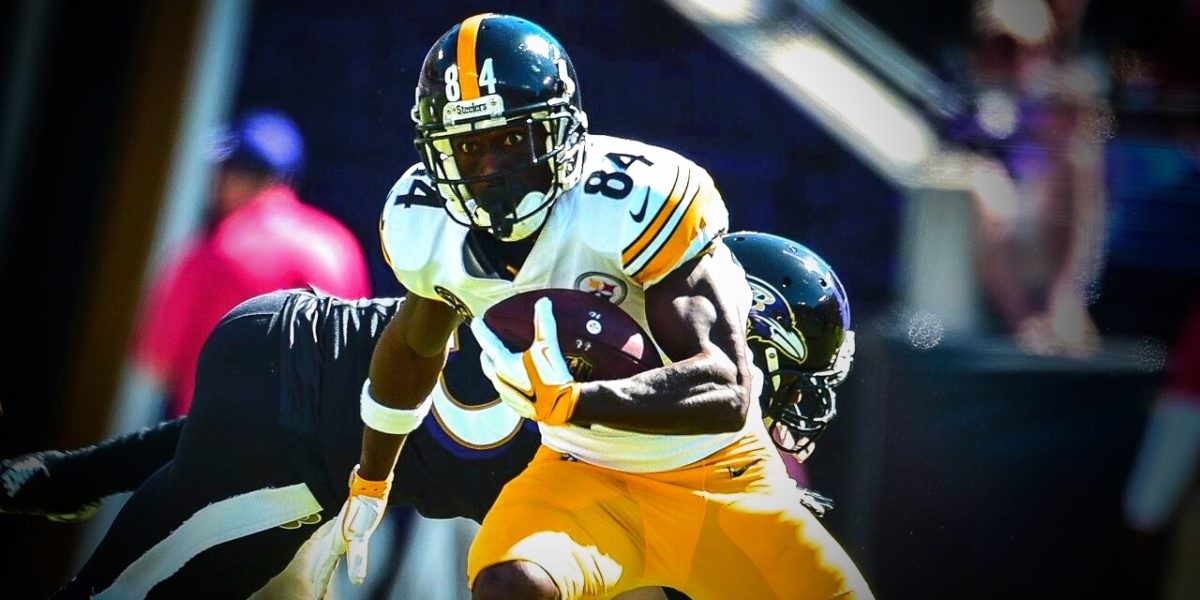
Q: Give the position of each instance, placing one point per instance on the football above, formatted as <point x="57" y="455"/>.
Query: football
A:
<point x="599" y="340"/>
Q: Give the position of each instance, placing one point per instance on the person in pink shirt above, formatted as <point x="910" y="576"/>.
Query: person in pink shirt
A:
<point x="261" y="237"/>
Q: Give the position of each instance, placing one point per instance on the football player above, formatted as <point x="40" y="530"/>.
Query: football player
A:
<point x="664" y="478"/>
<point x="261" y="458"/>
<point x="799" y="336"/>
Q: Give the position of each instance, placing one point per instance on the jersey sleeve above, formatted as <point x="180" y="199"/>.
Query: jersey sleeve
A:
<point x="681" y="218"/>
<point x="409" y="229"/>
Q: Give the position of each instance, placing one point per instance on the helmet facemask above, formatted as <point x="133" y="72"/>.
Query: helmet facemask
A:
<point x="798" y="404"/>
<point x="510" y="203"/>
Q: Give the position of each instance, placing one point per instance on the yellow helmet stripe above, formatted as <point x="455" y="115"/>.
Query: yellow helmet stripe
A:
<point x="468" y="71"/>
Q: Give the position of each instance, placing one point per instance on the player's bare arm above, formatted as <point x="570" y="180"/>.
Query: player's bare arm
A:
<point x="706" y="389"/>
<point x="404" y="368"/>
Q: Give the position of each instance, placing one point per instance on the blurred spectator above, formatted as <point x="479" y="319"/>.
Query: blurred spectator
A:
<point x="258" y="237"/>
<point x="1039" y="113"/>
<point x="1162" y="493"/>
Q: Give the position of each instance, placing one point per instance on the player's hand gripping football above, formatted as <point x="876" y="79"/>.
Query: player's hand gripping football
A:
<point x="535" y="383"/>
<point x="351" y="533"/>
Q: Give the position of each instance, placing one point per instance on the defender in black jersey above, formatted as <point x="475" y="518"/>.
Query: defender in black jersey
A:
<point x="263" y="454"/>
<point x="236" y="487"/>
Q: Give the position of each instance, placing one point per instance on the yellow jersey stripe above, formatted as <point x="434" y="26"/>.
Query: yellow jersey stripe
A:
<point x="635" y="248"/>
<point x="468" y="71"/>
<point x="680" y="239"/>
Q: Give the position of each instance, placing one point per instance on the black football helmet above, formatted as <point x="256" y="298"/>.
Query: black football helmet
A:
<point x="500" y="72"/>
<point x="799" y="335"/>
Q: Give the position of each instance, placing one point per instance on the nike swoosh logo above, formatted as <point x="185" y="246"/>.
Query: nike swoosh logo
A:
<point x="738" y="472"/>
<point x="529" y="395"/>
<point x="641" y="213"/>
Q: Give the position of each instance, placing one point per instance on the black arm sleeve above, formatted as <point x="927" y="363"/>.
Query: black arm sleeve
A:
<point x="116" y="465"/>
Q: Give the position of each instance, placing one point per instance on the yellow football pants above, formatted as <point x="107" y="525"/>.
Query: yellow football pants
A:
<point x="730" y="526"/>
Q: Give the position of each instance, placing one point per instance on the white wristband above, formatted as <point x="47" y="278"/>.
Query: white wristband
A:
<point x="385" y="419"/>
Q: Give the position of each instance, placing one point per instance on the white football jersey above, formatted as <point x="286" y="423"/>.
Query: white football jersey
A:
<point x="637" y="213"/>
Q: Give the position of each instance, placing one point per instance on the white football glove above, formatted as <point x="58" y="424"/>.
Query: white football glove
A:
<point x="351" y="533"/>
<point x="535" y="383"/>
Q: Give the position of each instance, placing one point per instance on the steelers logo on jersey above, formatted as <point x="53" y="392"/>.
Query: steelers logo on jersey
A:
<point x="602" y="284"/>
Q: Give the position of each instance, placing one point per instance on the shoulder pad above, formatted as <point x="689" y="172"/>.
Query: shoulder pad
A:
<point x="672" y="215"/>
<point x="409" y="227"/>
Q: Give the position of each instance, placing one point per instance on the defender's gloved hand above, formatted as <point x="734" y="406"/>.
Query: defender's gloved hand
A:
<point x="535" y="383"/>
<point x="352" y="531"/>
<point x="28" y="486"/>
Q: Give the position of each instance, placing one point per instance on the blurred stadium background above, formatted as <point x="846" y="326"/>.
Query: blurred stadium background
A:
<point x="961" y="466"/>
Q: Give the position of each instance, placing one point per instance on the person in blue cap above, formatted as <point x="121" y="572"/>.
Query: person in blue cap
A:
<point x="258" y="237"/>
<point x="262" y="148"/>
